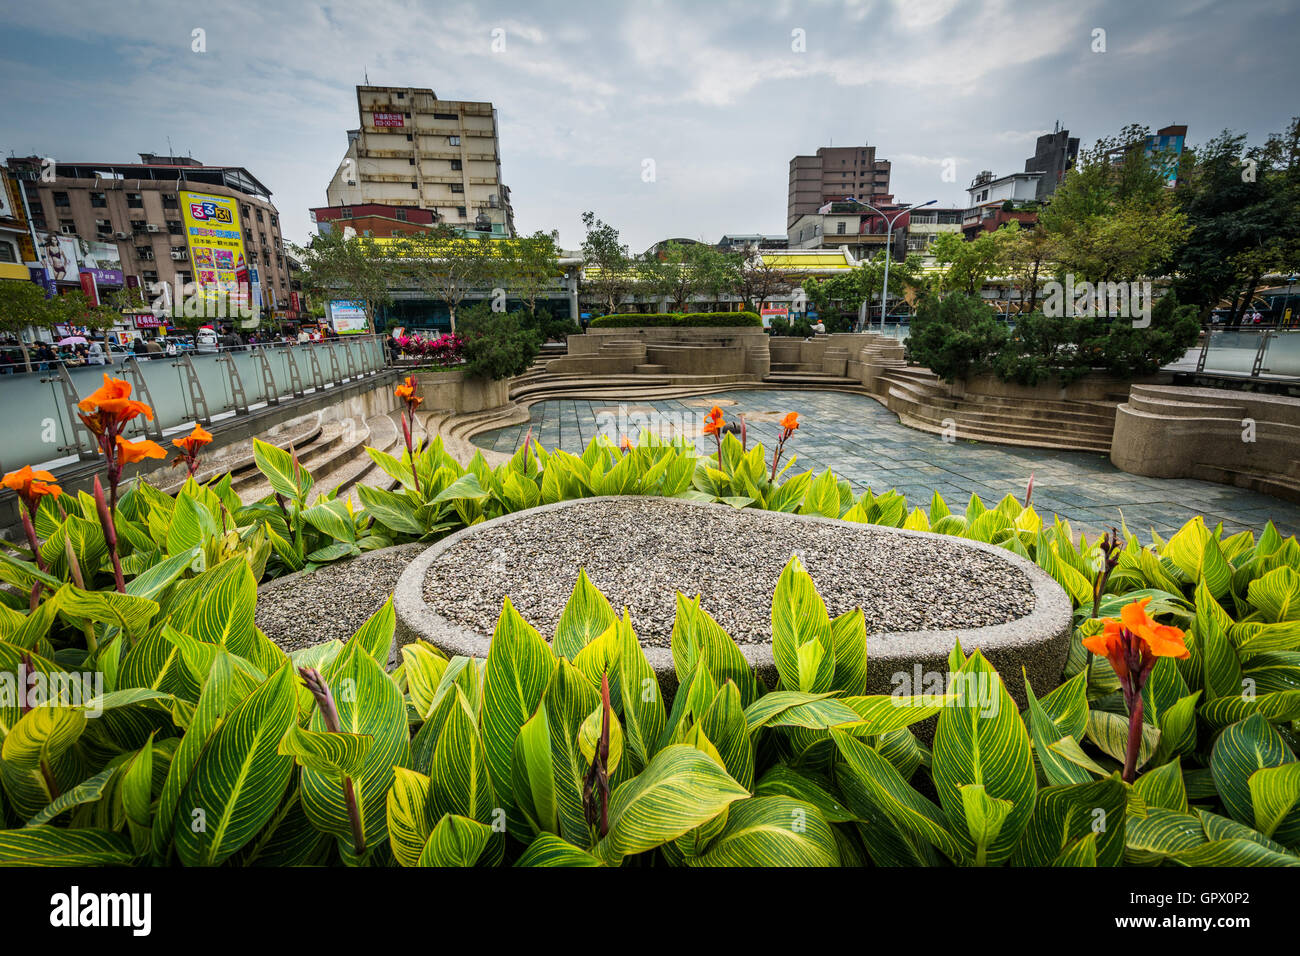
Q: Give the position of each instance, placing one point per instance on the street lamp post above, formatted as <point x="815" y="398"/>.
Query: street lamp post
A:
<point x="889" y="243"/>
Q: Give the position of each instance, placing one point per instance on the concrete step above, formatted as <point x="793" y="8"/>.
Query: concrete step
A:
<point x="650" y="369"/>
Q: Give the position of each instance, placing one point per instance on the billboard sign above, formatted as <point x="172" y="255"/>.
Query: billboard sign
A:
<point x="89" y="288"/>
<point x="347" y="316"/>
<point x="102" y="260"/>
<point x="61" y="257"/>
<point x="389" y="119"/>
<point x="216" y="245"/>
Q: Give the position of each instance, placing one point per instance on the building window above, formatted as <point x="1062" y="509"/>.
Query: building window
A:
<point x="458" y="187"/>
<point x="415" y="185"/>
<point x="451" y="140"/>
<point x="460" y="211"/>
<point x="135" y="200"/>
<point x="345" y="212"/>
<point x="455" y="164"/>
<point x="7" y="253"/>
<point x="401" y="215"/>
<point x="401" y="96"/>
<point x="67" y="227"/>
<point x="410" y="161"/>
<point x="61" y="200"/>
<point x="103" y="227"/>
<point x="259" y="215"/>
<point x="445" y="116"/>
<point x="170" y="202"/>
<point x="184" y="277"/>
<point x="839" y="228"/>
<point x="99" y="200"/>
<point x="275" y="222"/>
<point x="150" y="276"/>
<point x="175" y="228"/>
<point x="409" y="138"/>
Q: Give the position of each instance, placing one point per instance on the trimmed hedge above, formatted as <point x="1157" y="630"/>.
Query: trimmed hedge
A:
<point x="677" y="320"/>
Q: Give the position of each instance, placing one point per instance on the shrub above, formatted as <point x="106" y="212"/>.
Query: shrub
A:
<point x="959" y="336"/>
<point x="956" y="336"/>
<point x="497" y="344"/>
<point x="679" y="320"/>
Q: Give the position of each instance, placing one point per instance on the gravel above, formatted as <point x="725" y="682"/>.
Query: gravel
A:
<point x="303" y="610"/>
<point x="640" y="552"/>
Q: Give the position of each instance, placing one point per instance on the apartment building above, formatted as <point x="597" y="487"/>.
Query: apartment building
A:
<point x="836" y="173"/>
<point x="413" y="149"/>
<point x="1055" y="154"/>
<point x="123" y="224"/>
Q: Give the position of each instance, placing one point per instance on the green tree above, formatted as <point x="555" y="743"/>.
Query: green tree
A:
<point x="679" y="272"/>
<point x="610" y="271"/>
<point x="1114" y="217"/>
<point x="533" y="266"/>
<point x="966" y="264"/>
<point x="23" y="305"/>
<point x="755" y="280"/>
<point x="444" y="264"/>
<point x="354" y="268"/>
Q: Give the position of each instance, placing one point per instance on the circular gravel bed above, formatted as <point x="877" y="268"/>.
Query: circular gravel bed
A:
<point x="641" y="551"/>
<point x="312" y="607"/>
<point x="921" y="593"/>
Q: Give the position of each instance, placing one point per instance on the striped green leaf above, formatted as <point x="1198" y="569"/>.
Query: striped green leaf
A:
<point x="639" y="694"/>
<point x="872" y="787"/>
<point x="981" y="740"/>
<point x="462" y="784"/>
<point x="801" y="632"/>
<point x="680" y="789"/>
<point x="46" y="845"/>
<point x="1163" y="787"/>
<point x="1274" y="793"/>
<point x="772" y="831"/>
<point x="586" y="616"/>
<point x="237" y="783"/>
<point x="886" y="713"/>
<point x="455" y="841"/>
<point x="519" y="668"/>
<point x="549" y="850"/>
<point x="1063" y="815"/>
<point x="1241" y="750"/>
<point x="696" y="635"/>
<point x="285" y="477"/>
<point x="849" y="640"/>
<point x="410" y="817"/>
<point x="724" y="725"/>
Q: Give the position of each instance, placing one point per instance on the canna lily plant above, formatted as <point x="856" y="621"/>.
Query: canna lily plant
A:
<point x="406" y="393"/>
<point x="190" y="447"/>
<point x="1133" y="644"/>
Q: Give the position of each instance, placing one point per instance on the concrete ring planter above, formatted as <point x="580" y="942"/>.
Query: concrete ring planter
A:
<point x="1037" y="641"/>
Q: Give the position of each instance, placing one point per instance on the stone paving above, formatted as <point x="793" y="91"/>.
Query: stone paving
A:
<point x="864" y="443"/>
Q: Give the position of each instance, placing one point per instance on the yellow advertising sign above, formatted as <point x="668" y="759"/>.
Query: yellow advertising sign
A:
<point x="216" y="246"/>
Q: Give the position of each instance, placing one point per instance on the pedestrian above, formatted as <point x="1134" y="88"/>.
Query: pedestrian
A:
<point x="95" y="355"/>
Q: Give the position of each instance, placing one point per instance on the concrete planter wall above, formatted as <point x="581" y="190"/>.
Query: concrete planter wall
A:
<point x="1093" y="387"/>
<point x="451" y="390"/>
<point x="714" y="350"/>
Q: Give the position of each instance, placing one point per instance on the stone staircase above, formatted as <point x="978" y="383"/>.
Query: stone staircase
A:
<point x="923" y="402"/>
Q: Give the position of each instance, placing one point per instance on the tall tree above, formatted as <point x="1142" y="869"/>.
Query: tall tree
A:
<point x="755" y="280"/>
<point x="533" y="266"/>
<point x="1114" y="217"/>
<point x="610" y="271"/>
<point x="22" y="306"/>
<point x="357" y="268"/>
<point x="444" y="264"/>
<point x="680" y="272"/>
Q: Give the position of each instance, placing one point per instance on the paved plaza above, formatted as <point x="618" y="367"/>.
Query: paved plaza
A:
<point x="864" y="442"/>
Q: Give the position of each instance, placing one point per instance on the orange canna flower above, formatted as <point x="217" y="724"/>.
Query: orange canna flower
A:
<point x="129" y="452"/>
<point x="1133" y="643"/>
<point x="714" y="421"/>
<point x="406" y="392"/>
<point x="791" y="421"/>
<point x="111" y="403"/>
<point x="31" y="486"/>
<point x="194" y="440"/>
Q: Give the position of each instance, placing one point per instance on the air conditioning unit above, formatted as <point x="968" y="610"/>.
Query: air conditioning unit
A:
<point x="180" y="256"/>
<point x="122" y="235"/>
<point x="151" y="227"/>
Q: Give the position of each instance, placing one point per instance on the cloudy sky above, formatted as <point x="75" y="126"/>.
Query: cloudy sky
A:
<point x="717" y="93"/>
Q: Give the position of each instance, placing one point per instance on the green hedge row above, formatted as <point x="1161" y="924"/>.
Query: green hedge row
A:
<point x="677" y="320"/>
